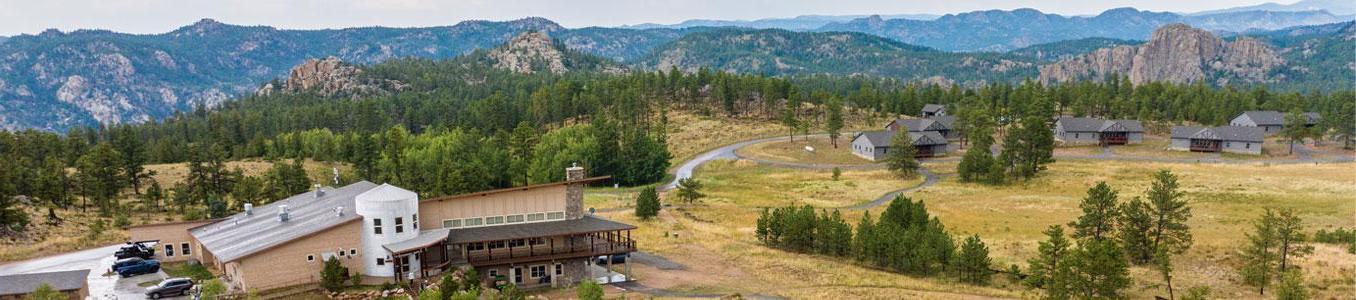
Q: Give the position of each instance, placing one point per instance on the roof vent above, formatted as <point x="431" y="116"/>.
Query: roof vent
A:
<point x="319" y="193"/>
<point x="249" y="209"/>
<point x="339" y="211"/>
<point x="282" y="213"/>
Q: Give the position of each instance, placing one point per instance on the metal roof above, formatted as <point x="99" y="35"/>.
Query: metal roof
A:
<point x="20" y="284"/>
<point x="587" y="224"/>
<point x="1223" y="133"/>
<point x="1073" y="124"/>
<point x="423" y="240"/>
<point x="241" y="235"/>
<point x="948" y="122"/>
<point x="1124" y="126"/>
<point x="884" y="138"/>
<point x="1275" y="118"/>
<point x="932" y="108"/>
<point x="917" y="125"/>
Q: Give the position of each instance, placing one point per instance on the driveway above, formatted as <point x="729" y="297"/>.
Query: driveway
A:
<point x="97" y="261"/>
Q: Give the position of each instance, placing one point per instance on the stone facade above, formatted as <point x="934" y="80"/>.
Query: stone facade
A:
<point x="574" y="193"/>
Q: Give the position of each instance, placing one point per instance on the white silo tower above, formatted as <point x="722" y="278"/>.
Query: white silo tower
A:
<point x="381" y="207"/>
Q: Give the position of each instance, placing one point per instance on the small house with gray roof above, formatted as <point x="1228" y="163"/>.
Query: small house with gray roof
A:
<point x="1088" y="131"/>
<point x="933" y="110"/>
<point x="1270" y="121"/>
<point x="943" y="125"/>
<point x="71" y="283"/>
<point x="1232" y="139"/>
<point x="875" y="145"/>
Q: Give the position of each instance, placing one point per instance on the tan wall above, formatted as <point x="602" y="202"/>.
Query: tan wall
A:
<point x="544" y="199"/>
<point x="286" y="265"/>
<point x="72" y="294"/>
<point x="169" y="233"/>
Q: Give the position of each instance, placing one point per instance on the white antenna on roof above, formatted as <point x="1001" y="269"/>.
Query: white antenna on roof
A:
<point x="336" y="175"/>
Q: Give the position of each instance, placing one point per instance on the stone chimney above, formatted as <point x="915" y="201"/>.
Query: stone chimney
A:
<point x="574" y="193"/>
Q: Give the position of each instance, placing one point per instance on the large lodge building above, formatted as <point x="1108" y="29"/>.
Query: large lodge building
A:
<point x="537" y="235"/>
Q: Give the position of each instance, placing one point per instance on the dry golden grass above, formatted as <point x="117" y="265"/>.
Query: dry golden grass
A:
<point x="1224" y="198"/>
<point x="320" y="172"/>
<point x="794" y="151"/>
<point x="714" y="238"/>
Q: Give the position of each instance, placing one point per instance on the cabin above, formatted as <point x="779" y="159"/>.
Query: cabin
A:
<point x="933" y="110"/>
<point x="1232" y="139"/>
<point x="943" y="125"/>
<point x="1089" y="131"/>
<point x="71" y="283"/>
<point x="1271" y="122"/>
<point x="530" y="236"/>
<point x="875" y="145"/>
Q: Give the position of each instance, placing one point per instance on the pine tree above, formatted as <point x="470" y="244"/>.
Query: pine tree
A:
<point x="1259" y="257"/>
<point x="835" y="123"/>
<point x="1096" y="270"/>
<point x="689" y="189"/>
<point x="332" y="274"/>
<point x="1291" y="286"/>
<point x="1296" y="128"/>
<point x="864" y="242"/>
<point x="972" y="266"/>
<point x="1163" y="263"/>
<point x="1291" y="239"/>
<point x="1170" y="213"/>
<point x="1136" y="230"/>
<point x="45" y="292"/>
<point x="12" y="217"/>
<point x="647" y="203"/>
<point x="1051" y="251"/>
<point x="1099" y="214"/>
<point x="100" y="176"/>
<point x="900" y="158"/>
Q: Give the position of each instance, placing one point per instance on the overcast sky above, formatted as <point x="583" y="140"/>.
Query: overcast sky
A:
<point x="156" y="16"/>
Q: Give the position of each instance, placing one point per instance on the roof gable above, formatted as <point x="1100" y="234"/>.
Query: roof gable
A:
<point x="933" y="108"/>
<point x="20" y="284"/>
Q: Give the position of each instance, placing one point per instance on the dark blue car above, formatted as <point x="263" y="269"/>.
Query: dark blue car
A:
<point x="136" y="266"/>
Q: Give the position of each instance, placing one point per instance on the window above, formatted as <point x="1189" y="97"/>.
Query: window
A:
<point x="538" y="271"/>
<point x="169" y="250"/>
<point x="536" y="241"/>
<point x="515" y="219"/>
<point x="452" y="223"/>
<point x="517" y="243"/>
<point x="414" y="221"/>
<point x="536" y="217"/>
<point x="183" y="249"/>
<point x="376" y="226"/>
<point x="474" y="222"/>
<point x="1247" y="145"/>
<point x="352" y="252"/>
<point x="494" y="273"/>
<point x="555" y="215"/>
<point x="560" y="269"/>
<point x="310" y="257"/>
<point x="400" y="224"/>
<point x="475" y="246"/>
<point x="494" y="220"/>
<point x="496" y="244"/>
<point x="381" y="261"/>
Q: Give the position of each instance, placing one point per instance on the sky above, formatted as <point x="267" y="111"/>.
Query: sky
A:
<point x="158" y="16"/>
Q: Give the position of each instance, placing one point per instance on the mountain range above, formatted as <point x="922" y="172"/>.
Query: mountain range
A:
<point x="1003" y="30"/>
<point x="1337" y="7"/>
<point x="55" y="79"/>
<point x="806" y="22"/>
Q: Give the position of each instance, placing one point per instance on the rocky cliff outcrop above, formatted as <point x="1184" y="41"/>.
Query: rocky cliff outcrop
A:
<point x="1176" y="53"/>
<point x="330" y="77"/>
<point x="529" y="52"/>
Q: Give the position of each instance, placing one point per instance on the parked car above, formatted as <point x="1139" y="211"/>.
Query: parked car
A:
<point x="124" y="262"/>
<point x="616" y="259"/>
<point x="170" y="287"/>
<point x="135" y="250"/>
<point x="136" y="266"/>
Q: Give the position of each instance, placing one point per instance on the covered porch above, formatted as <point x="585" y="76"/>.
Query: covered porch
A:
<point x="548" y="246"/>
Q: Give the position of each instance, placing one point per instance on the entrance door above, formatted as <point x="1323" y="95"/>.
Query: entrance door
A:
<point x="518" y="275"/>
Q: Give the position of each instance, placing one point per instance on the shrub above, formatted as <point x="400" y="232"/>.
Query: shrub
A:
<point x="589" y="290"/>
<point x="332" y="276"/>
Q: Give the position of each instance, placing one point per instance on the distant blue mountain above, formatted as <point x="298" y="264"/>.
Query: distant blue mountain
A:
<point x="1003" y="30"/>
<point x="1336" y="7"/>
<point x="799" y="23"/>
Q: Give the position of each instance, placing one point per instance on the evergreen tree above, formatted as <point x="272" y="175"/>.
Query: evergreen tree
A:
<point x="1030" y="145"/>
<point x="154" y="197"/>
<point x="1099" y="214"/>
<point x="100" y="175"/>
<point x="1095" y="270"/>
<point x="1290" y="238"/>
<point x="589" y="290"/>
<point x="835" y="123"/>
<point x="1296" y="128"/>
<point x="864" y="242"/>
<point x="52" y="183"/>
<point x="1042" y="268"/>
<point x="133" y="157"/>
<point x="1163" y="264"/>
<point x="1170" y="214"/>
<point x="283" y="180"/>
<point x="972" y="265"/>
<point x="522" y="141"/>
<point x="12" y="217"/>
<point x="45" y="292"/>
<point x="1291" y="286"/>
<point x="1136" y="230"/>
<point x="647" y="203"/>
<point x="250" y="189"/>
<point x="833" y="236"/>
<point x="900" y="158"/>
<point x="1259" y="257"/>
<point x="689" y="189"/>
<point x="332" y="274"/>
<point x="978" y="163"/>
